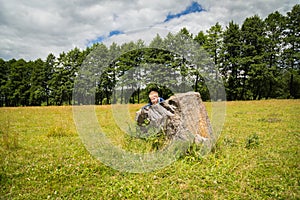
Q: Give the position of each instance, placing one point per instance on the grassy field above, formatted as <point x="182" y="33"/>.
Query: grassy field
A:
<point x="256" y="157"/>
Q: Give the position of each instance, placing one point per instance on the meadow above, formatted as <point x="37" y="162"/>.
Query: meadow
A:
<point x="256" y="157"/>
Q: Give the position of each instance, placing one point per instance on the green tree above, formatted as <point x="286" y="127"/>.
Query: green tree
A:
<point x="214" y="42"/>
<point x="37" y="90"/>
<point x="65" y="71"/>
<point x="253" y="66"/>
<point x="213" y="46"/>
<point x="201" y="38"/>
<point x="4" y="70"/>
<point x="56" y="84"/>
<point x="292" y="50"/>
<point x="274" y="27"/>
<point x="103" y="74"/>
<point x="88" y="75"/>
<point x="47" y="73"/>
<point x="231" y="54"/>
<point x="156" y="42"/>
<point x="18" y="83"/>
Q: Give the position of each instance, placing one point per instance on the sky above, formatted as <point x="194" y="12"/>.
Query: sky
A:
<point x="32" y="29"/>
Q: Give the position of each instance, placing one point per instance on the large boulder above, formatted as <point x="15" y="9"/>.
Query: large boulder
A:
<point x="181" y="117"/>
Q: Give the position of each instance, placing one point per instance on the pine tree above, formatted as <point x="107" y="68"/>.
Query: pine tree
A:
<point x="252" y="62"/>
<point x="274" y="27"/>
<point x="231" y="55"/>
<point x="3" y="80"/>
<point x="292" y="50"/>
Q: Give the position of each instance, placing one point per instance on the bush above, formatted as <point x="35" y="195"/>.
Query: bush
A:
<point x="59" y="131"/>
<point x="252" y="141"/>
<point x="9" y="139"/>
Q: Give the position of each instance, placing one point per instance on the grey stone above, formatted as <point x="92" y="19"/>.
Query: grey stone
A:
<point x="181" y="117"/>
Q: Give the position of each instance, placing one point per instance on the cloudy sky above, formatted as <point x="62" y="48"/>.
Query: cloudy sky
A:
<point x="32" y="29"/>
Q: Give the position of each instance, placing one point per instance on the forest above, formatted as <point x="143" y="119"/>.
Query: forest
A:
<point x="259" y="59"/>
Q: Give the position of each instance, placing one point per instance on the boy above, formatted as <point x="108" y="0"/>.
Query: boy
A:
<point x="142" y="114"/>
<point x="154" y="98"/>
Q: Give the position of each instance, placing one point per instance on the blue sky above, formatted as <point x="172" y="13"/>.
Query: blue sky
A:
<point x="103" y="37"/>
<point x="194" y="7"/>
<point x="32" y="29"/>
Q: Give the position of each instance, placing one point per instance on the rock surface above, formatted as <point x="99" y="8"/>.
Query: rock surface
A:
<point x="181" y="117"/>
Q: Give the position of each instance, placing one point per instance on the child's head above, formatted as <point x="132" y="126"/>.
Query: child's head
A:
<point x="153" y="96"/>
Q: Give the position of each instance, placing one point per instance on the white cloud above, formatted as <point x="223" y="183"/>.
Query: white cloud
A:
<point x="32" y="29"/>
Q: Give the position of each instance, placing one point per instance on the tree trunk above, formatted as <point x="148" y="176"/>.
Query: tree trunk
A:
<point x="291" y="95"/>
<point x="138" y="95"/>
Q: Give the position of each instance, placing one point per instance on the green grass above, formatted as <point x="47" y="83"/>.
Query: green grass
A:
<point x="256" y="157"/>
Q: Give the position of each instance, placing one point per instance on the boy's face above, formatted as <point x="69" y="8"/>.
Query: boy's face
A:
<point x="154" y="99"/>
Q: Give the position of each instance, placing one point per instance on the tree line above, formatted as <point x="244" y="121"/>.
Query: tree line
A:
<point x="257" y="60"/>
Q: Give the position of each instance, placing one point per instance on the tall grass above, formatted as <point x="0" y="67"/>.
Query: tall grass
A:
<point x="256" y="157"/>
